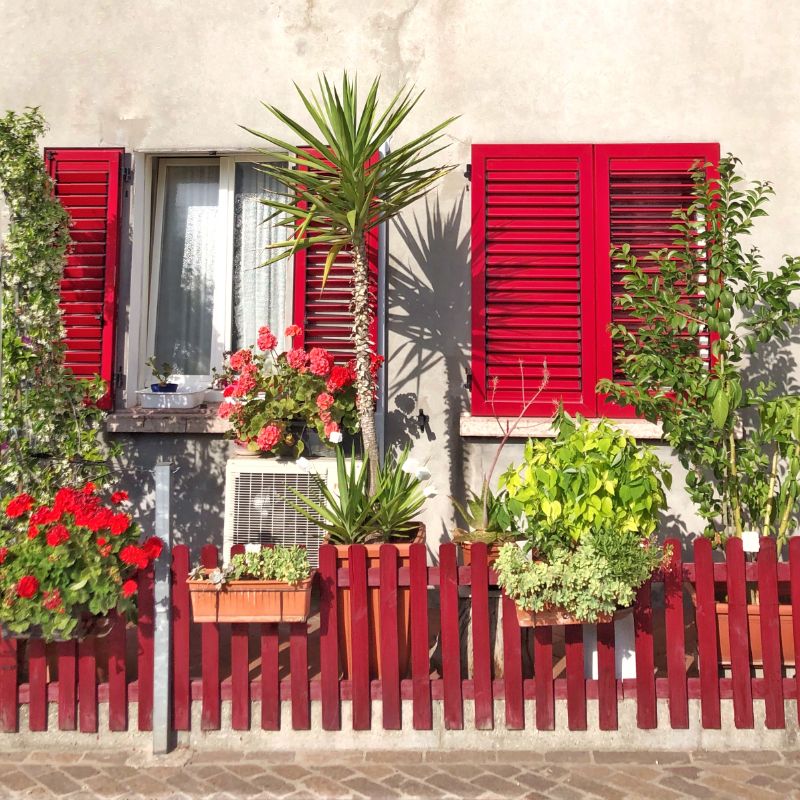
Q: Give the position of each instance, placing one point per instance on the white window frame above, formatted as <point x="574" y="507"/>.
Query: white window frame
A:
<point x="148" y="216"/>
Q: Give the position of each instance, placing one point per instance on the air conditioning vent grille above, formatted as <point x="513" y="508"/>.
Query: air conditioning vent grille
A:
<point x="262" y="514"/>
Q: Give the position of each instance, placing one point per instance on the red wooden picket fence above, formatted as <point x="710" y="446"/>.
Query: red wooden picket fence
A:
<point x="676" y="654"/>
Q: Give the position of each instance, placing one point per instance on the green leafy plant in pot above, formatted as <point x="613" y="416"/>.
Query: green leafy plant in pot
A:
<point x="354" y="515"/>
<point x="161" y="372"/>
<point x="589" y="500"/>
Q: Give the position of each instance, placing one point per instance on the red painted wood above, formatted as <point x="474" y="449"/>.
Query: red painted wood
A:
<point x="451" y="648"/>
<point x="87" y="686"/>
<point x="645" y="660"/>
<point x="707" y="635"/>
<point x="543" y="673"/>
<point x="390" y="664"/>
<point x="523" y="198"/>
<point x="512" y="666"/>
<point x="675" y="637"/>
<point x="37" y="680"/>
<point x="329" y="640"/>
<point x="240" y="669"/>
<point x="145" y="632"/>
<point x="9" y="678"/>
<point x="298" y="665"/>
<point x="210" y="716"/>
<point x="67" y="685"/>
<point x="181" y="639"/>
<point x="576" y="680"/>
<point x="359" y="626"/>
<point x="774" y="716"/>
<point x="422" y="710"/>
<point x="117" y="677"/>
<point x="270" y="685"/>
<point x="739" y="635"/>
<point x="96" y="243"/>
<point x="794" y="564"/>
<point x="606" y="678"/>
<point x="481" y="647"/>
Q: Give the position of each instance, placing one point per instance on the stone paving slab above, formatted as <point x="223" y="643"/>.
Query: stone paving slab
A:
<point x="398" y="775"/>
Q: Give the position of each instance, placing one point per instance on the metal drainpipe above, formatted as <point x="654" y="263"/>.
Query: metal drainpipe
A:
<point x="382" y="333"/>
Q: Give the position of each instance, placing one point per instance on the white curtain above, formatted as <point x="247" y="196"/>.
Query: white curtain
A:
<point x="259" y="293"/>
<point x="184" y="322"/>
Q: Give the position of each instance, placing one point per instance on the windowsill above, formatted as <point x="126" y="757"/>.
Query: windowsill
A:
<point x="202" y="419"/>
<point x="541" y="428"/>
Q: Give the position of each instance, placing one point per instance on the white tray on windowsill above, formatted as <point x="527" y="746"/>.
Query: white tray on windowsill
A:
<point x="185" y="397"/>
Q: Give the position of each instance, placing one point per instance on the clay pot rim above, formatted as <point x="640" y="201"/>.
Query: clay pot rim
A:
<point x="249" y="583"/>
<point x="784" y="609"/>
<point x="419" y="538"/>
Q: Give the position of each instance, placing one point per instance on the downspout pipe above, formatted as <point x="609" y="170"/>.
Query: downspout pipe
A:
<point x="382" y="403"/>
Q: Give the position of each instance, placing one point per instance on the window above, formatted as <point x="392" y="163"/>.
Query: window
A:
<point x="208" y="293"/>
<point x="544" y="218"/>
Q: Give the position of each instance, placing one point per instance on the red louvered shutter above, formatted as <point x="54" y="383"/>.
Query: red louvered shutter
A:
<point x="324" y="314"/>
<point x="637" y="187"/>
<point x="532" y="278"/>
<point x="87" y="182"/>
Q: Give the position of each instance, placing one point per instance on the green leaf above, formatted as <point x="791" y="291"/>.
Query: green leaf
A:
<point x="720" y="407"/>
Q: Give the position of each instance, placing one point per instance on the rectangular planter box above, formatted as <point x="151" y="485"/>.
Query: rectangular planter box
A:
<point x="552" y="616"/>
<point x="183" y="398"/>
<point x="250" y="601"/>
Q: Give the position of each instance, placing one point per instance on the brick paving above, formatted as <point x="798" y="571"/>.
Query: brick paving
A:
<point x="444" y="775"/>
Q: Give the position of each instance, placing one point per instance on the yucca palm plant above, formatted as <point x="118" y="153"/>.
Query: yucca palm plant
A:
<point x="337" y="193"/>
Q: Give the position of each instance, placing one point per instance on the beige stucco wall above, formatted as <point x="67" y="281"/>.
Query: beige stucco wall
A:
<point x="164" y="74"/>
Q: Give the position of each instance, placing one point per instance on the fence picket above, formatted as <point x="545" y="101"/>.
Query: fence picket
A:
<point x="645" y="660"/>
<point x="181" y="639"/>
<point x="270" y="679"/>
<point x="298" y="665"/>
<point x="774" y="716"/>
<point x="675" y="637"/>
<point x="512" y="666"/>
<point x="607" y="677"/>
<point x="329" y="640"/>
<point x="240" y="668"/>
<point x="739" y="633"/>
<point x="576" y="681"/>
<point x="9" y="677"/>
<point x="481" y="648"/>
<point x="706" y="620"/>
<point x="794" y="567"/>
<point x="390" y="665"/>
<point x="87" y="685"/>
<point x="451" y="649"/>
<point x="117" y="676"/>
<point x="422" y="711"/>
<point x="543" y="673"/>
<point x="359" y="626"/>
<point x="210" y="716"/>
<point x="67" y="685"/>
<point x="37" y="683"/>
<point x="146" y="631"/>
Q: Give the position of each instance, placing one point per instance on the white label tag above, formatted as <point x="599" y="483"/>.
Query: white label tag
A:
<point x="750" y="541"/>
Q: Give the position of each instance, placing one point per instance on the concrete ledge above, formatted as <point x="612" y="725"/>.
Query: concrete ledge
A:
<point x="202" y="419"/>
<point x="541" y="428"/>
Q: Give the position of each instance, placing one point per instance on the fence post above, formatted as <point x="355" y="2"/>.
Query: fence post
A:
<point x="162" y="671"/>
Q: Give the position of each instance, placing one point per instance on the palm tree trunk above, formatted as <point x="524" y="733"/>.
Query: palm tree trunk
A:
<point x="361" y="308"/>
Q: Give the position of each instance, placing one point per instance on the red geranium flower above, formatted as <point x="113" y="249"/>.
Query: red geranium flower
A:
<point x="119" y="497"/>
<point x="129" y="588"/>
<point x="266" y="339"/>
<point x="320" y="361"/>
<point x="101" y="540"/>
<point x="44" y="516"/>
<point x="134" y="556"/>
<point x="229" y="390"/>
<point x="52" y="600"/>
<point x="325" y="401"/>
<point x="119" y="524"/>
<point x="240" y="358"/>
<point x="3" y="554"/>
<point x="297" y="359"/>
<point x="27" y="586"/>
<point x="293" y="330"/>
<point x="153" y="547"/>
<point x="268" y="437"/>
<point x="19" y="505"/>
<point x="57" y="535"/>
<point x="89" y="488"/>
<point x="339" y="378"/>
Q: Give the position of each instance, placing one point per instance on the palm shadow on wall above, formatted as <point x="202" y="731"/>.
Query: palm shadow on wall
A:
<point x="429" y="311"/>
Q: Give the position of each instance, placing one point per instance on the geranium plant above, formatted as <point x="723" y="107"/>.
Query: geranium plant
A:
<point x="280" y="563"/>
<point x="270" y="392"/>
<point x="64" y="561"/>
<point x="589" y="502"/>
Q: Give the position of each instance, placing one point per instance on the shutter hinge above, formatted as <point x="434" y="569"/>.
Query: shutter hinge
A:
<point x="119" y="379"/>
<point x="468" y="172"/>
<point x="468" y="381"/>
<point x="127" y="175"/>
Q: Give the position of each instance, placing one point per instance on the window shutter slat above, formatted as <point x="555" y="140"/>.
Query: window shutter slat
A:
<point x="637" y="187"/>
<point x="324" y="314"/>
<point x="532" y="278"/>
<point x="87" y="182"/>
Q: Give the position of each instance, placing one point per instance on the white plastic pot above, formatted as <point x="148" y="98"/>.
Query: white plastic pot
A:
<point x="185" y="397"/>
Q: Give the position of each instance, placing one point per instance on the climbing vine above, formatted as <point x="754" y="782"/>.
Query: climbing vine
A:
<point x="49" y="424"/>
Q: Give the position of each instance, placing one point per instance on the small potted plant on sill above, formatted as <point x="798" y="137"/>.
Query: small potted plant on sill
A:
<point x="161" y="372"/>
<point x="269" y="585"/>
<point x="165" y="394"/>
<point x="69" y="563"/>
<point x="589" y="500"/>
<point x="354" y="515"/>
<point x="273" y="400"/>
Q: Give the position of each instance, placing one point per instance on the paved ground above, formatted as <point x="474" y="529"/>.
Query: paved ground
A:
<point x="569" y="776"/>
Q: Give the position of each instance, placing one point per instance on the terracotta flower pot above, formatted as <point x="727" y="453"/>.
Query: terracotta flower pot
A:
<point x="754" y="629"/>
<point x="552" y="616"/>
<point x="250" y="601"/>
<point x="492" y="552"/>
<point x="373" y="609"/>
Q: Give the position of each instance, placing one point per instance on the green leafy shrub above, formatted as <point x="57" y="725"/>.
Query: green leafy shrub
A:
<point x="710" y="292"/>
<point x="279" y="563"/>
